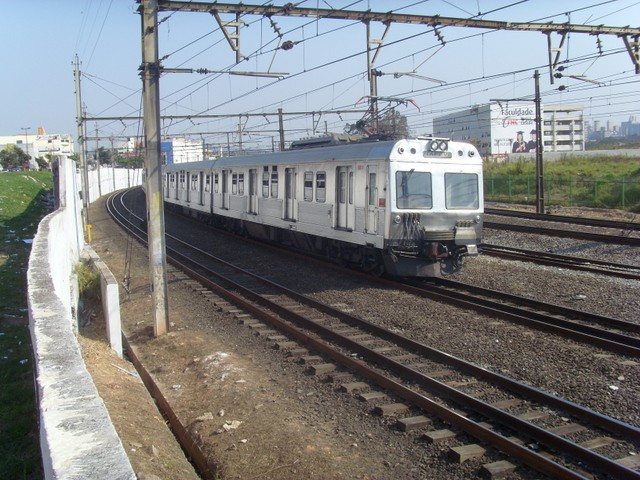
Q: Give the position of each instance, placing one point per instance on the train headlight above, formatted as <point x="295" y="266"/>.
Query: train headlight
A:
<point x="471" y="153"/>
<point x="477" y="219"/>
<point x="397" y="219"/>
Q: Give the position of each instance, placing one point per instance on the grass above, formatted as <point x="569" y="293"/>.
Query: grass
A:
<point x="597" y="182"/>
<point x="22" y="206"/>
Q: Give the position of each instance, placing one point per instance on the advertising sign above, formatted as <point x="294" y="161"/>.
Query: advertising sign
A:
<point x="513" y="128"/>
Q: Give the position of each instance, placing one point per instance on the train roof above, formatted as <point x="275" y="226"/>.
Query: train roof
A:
<point x="359" y="151"/>
<point x="350" y="151"/>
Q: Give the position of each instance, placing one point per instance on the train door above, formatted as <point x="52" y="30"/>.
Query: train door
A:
<point x="189" y="180"/>
<point x="253" y="191"/>
<point x="200" y="187"/>
<point x="371" y="219"/>
<point x="225" y="189"/>
<point x="344" y="198"/>
<point x="289" y="193"/>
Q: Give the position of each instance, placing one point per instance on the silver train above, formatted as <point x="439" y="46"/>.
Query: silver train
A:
<point x="410" y="208"/>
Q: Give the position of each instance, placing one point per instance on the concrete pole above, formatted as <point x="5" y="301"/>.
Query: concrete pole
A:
<point x="281" y="129"/>
<point x="153" y="165"/>
<point x="81" y="144"/>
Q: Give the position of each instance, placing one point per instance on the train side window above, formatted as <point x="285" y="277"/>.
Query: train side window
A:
<point x="216" y="183"/>
<point x="274" y="182"/>
<point x="308" y="186"/>
<point x="372" y="189"/>
<point x="234" y="184"/>
<point x="265" y="182"/>
<point x="207" y="183"/>
<point x="241" y="184"/>
<point x="413" y="189"/>
<point x="350" y="188"/>
<point x="461" y="190"/>
<point x="321" y="187"/>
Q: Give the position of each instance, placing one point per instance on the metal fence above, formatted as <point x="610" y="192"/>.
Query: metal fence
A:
<point x="619" y="192"/>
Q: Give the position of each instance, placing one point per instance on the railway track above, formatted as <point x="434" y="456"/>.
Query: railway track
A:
<point x="530" y="426"/>
<point x="558" y="232"/>
<point x="590" y="222"/>
<point x="613" y="334"/>
<point x="563" y="261"/>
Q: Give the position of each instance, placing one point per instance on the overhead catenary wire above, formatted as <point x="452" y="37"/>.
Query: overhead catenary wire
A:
<point x="353" y="80"/>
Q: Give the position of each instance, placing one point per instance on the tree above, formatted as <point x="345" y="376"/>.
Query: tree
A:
<point x="393" y="124"/>
<point x="12" y="156"/>
<point x="132" y="161"/>
<point x="104" y="156"/>
<point x="43" y="163"/>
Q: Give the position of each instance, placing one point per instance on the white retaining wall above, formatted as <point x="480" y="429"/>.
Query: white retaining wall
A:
<point x="77" y="438"/>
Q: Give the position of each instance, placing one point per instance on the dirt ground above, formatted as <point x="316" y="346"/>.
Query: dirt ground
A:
<point x="255" y="415"/>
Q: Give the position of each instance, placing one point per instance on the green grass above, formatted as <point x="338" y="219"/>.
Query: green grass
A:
<point x="22" y="206"/>
<point x="597" y="182"/>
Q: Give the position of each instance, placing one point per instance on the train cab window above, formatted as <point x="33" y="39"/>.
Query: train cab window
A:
<point x="207" y="183"/>
<point x="321" y="187"/>
<point x="461" y="190"/>
<point x="413" y="190"/>
<point x="265" y="182"/>
<point x="308" y="186"/>
<point x="216" y="183"/>
<point x="274" y="182"/>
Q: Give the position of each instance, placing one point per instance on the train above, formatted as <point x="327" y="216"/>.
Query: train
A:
<point x="404" y="208"/>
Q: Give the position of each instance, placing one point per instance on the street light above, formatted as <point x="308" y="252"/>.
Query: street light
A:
<point x="26" y="137"/>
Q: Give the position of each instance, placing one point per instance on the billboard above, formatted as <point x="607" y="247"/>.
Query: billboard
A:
<point x="513" y="128"/>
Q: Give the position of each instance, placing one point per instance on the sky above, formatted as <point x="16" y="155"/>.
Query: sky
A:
<point x="324" y="72"/>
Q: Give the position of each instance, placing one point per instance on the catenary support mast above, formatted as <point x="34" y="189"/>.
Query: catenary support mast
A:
<point x="153" y="165"/>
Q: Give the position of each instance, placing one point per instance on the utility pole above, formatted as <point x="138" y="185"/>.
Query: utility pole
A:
<point x="539" y="147"/>
<point x="98" y="164"/>
<point x="153" y="165"/>
<point x="81" y="140"/>
<point x="281" y="129"/>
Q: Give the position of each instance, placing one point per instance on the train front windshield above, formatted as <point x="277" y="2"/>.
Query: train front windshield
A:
<point x="461" y="191"/>
<point x="413" y="190"/>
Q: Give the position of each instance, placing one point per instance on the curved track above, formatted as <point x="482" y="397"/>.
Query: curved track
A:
<point x="415" y="378"/>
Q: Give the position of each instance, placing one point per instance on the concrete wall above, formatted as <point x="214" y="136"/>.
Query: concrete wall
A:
<point x="77" y="438"/>
<point x="105" y="180"/>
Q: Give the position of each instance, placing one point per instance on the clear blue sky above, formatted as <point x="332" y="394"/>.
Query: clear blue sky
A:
<point x="325" y="69"/>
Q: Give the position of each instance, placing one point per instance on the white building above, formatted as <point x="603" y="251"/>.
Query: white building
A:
<point x="506" y="128"/>
<point x="40" y="144"/>
<point x="172" y="150"/>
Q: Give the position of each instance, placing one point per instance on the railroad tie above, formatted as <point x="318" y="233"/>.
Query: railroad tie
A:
<point x="372" y="396"/>
<point x="498" y="469"/>
<point x="466" y="452"/>
<point x="322" y="368"/>
<point x="354" y="387"/>
<point x="438" y="436"/>
<point x="413" y="423"/>
<point x="391" y="409"/>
